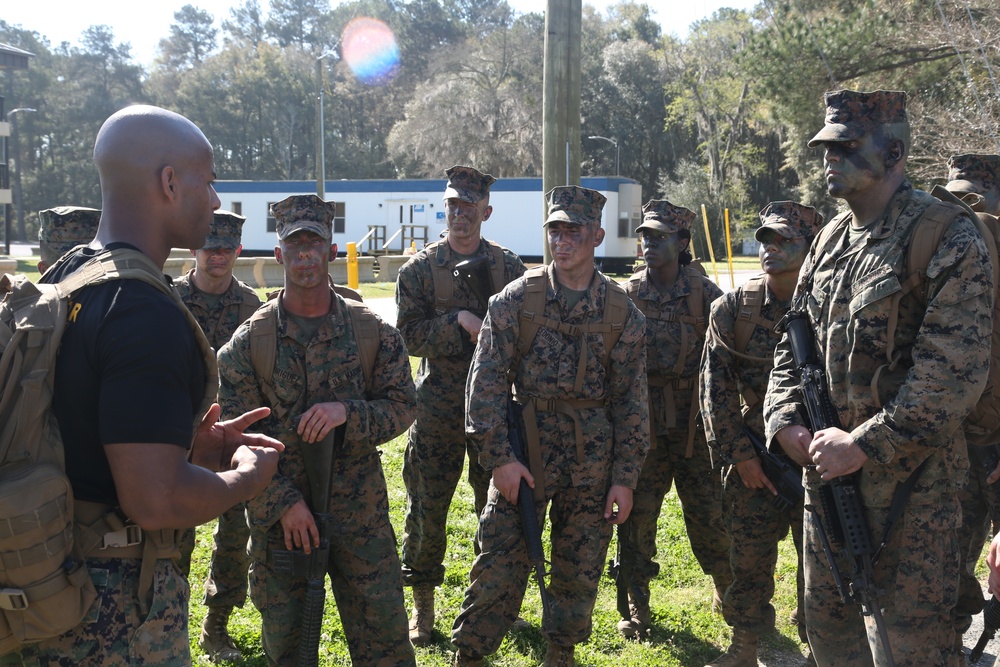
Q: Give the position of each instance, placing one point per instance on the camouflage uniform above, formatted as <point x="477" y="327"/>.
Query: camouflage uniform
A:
<point x="226" y="585"/>
<point x="64" y="227"/>
<point x="973" y="177"/>
<point x="364" y="565"/>
<point x="673" y="351"/>
<point x="436" y="442"/>
<point x="733" y="384"/>
<point x="576" y="481"/>
<point x="846" y="289"/>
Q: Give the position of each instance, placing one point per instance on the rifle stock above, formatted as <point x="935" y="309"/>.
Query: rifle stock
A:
<point x="840" y="498"/>
<point x="318" y="460"/>
<point x="991" y="623"/>
<point x="475" y="273"/>
<point x="786" y="479"/>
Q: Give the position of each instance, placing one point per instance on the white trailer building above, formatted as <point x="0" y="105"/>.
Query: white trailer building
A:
<point x="387" y="216"/>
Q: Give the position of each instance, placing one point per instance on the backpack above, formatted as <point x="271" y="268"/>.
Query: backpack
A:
<point x="982" y="425"/>
<point x="264" y="346"/>
<point x="45" y="588"/>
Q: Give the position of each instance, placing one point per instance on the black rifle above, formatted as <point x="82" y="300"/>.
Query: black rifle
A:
<point x="620" y="569"/>
<point x="991" y="623"/>
<point x="318" y="460"/>
<point x="785" y="477"/>
<point x="841" y="497"/>
<point x="475" y="272"/>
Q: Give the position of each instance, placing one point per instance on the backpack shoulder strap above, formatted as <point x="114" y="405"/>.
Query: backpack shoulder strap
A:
<point x="497" y="270"/>
<point x="444" y="281"/>
<point x="615" y="312"/>
<point x="751" y="298"/>
<point x="263" y="353"/>
<point x="366" y="337"/>
<point x="249" y="303"/>
<point x="532" y="307"/>
<point x="696" y="297"/>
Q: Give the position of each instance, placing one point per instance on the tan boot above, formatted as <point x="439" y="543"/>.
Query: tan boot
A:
<point x="462" y="660"/>
<point x="638" y="626"/>
<point x="215" y="640"/>
<point x="558" y="656"/>
<point x="741" y="653"/>
<point x="422" y="623"/>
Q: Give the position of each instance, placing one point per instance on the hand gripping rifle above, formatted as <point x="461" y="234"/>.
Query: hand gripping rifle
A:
<point x="786" y="478"/>
<point x="476" y="274"/>
<point x="841" y="498"/>
<point x="318" y="460"/>
<point x="991" y="623"/>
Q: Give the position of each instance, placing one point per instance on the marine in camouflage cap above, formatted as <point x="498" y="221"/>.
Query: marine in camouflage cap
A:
<point x="303" y="212"/>
<point x="64" y="227"/>
<point x="468" y="184"/>
<point x="226" y="231"/>
<point x="575" y="205"/>
<point x="659" y="215"/>
<point x="789" y="219"/>
<point x="851" y="115"/>
<point x="976" y="180"/>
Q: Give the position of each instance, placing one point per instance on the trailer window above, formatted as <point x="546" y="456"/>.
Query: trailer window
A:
<point x="272" y="224"/>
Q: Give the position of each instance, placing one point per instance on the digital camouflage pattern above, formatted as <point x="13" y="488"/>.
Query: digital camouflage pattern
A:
<point x="226" y="585"/>
<point x="303" y="212"/>
<point x="575" y="205"/>
<point x="468" y="184"/>
<point x="65" y="227"/>
<point x="669" y="343"/>
<point x="851" y="114"/>
<point x="437" y="444"/>
<point x="364" y="564"/>
<point x="659" y="215"/>
<point x="226" y="231"/>
<point x="615" y="439"/>
<point x="846" y="290"/>
<point x="732" y="381"/>
<point x="116" y="633"/>
<point x="790" y="219"/>
<point x="973" y="173"/>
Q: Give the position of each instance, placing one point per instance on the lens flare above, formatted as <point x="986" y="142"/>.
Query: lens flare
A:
<point x="370" y="50"/>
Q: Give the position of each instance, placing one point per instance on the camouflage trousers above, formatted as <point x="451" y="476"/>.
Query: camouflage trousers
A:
<point x="700" y="491"/>
<point x="432" y="467"/>
<point x="226" y="585"/>
<point x="364" y="573"/>
<point x="917" y="576"/>
<point x="116" y="633"/>
<point x="499" y="576"/>
<point x="755" y="526"/>
<point x="980" y="510"/>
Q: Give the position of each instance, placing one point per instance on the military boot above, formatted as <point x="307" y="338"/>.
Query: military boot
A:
<point x="741" y="653"/>
<point x="462" y="660"/>
<point x="422" y="623"/>
<point x="639" y="623"/>
<point x="215" y="640"/>
<point x="558" y="656"/>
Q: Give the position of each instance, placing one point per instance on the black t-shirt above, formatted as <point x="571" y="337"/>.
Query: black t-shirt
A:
<point x="129" y="371"/>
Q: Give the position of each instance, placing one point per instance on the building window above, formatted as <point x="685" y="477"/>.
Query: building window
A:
<point x="237" y="208"/>
<point x="272" y="224"/>
<point x="339" y="218"/>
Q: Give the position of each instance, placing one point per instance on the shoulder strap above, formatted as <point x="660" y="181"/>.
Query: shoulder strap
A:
<point x="444" y="281"/>
<point x="366" y="337"/>
<point x="249" y="302"/>
<point x="532" y="307"/>
<point x="696" y="297"/>
<point x="615" y="312"/>
<point x="497" y="271"/>
<point x="263" y="353"/>
<point x="751" y="298"/>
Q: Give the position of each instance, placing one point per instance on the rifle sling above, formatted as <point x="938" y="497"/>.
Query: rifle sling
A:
<point x="568" y="407"/>
<point x="899" y="499"/>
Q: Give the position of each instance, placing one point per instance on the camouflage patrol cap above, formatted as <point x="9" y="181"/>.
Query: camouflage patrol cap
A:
<point x="226" y="231"/>
<point x="468" y="184"/>
<point x="575" y="205"/>
<point x="659" y="215"/>
<point x="851" y="115"/>
<point x="789" y="219"/>
<point x="973" y="173"/>
<point x="303" y="212"/>
<point x="65" y="227"/>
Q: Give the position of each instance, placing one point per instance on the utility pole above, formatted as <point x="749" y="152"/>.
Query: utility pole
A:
<point x="561" y="98"/>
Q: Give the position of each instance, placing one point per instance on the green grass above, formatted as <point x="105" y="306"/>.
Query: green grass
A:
<point x="686" y="631"/>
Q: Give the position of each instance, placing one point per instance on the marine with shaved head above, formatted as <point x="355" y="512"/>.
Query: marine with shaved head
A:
<point x="134" y="397"/>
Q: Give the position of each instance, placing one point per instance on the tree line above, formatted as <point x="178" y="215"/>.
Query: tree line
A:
<point x="720" y="117"/>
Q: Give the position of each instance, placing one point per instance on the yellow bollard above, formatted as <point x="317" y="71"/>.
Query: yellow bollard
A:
<point x="708" y="237"/>
<point x="729" y="253"/>
<point x="352" y="265"/>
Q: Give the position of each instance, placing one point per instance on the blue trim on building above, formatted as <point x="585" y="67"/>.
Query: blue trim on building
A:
<point x="432" y="185"/>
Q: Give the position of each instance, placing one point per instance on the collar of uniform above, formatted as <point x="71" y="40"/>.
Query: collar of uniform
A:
<point x="887" y="225"/>
<point x="331" y="327"/>
<point x="680" y="289"/>
<point x="593" y="290"/>
<point x="229" y="297"/>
